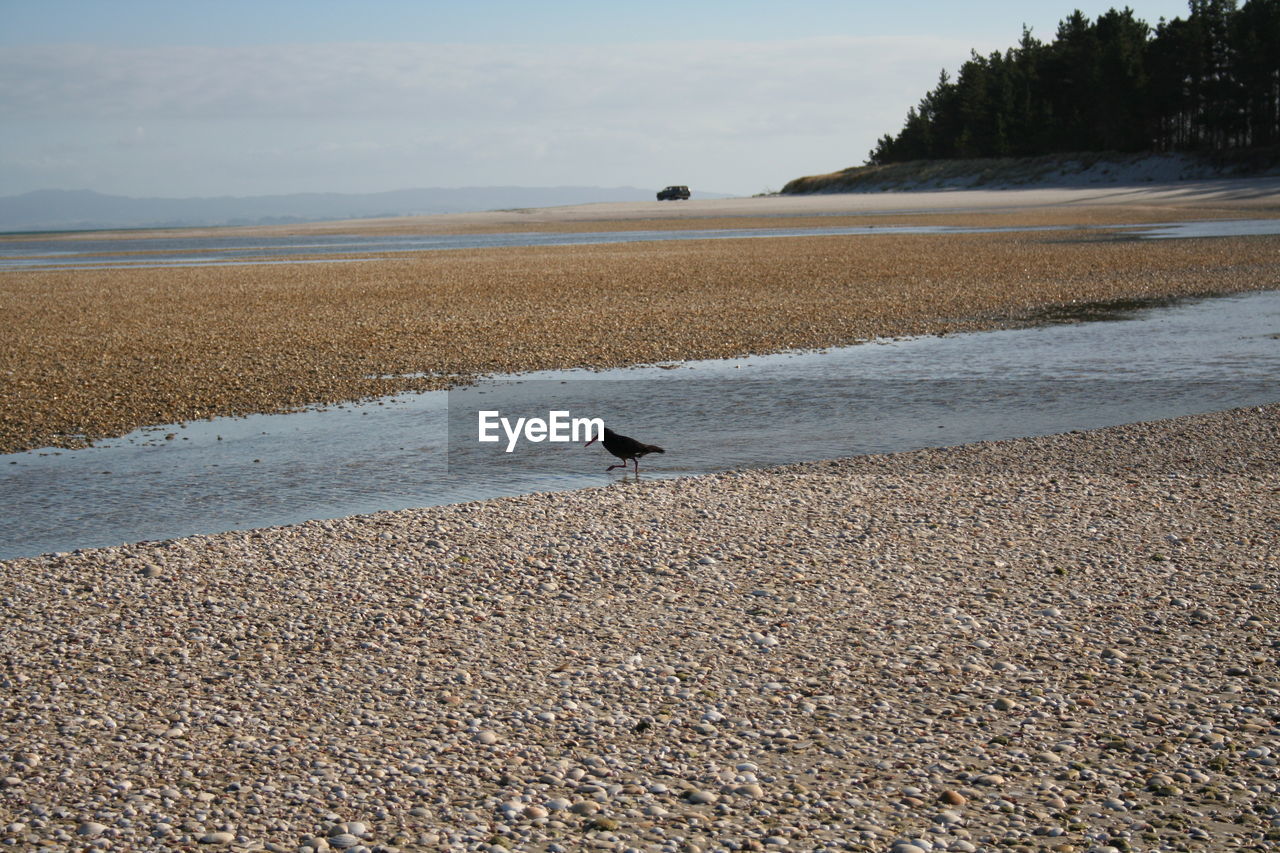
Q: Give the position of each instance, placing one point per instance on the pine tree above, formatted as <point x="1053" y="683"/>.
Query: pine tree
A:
<point x="1210" y="82"/>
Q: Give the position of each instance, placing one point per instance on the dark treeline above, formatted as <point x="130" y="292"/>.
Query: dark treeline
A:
<point x="1208" y="83"/>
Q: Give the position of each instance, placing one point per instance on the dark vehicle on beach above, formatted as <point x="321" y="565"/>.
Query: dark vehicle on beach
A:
<point x="674" y="194"/>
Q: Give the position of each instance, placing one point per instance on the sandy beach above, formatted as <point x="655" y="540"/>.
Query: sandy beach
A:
<point x="1101" y="203"/>
<point x="96" y="353"/>
<point x="1065" y="643"/>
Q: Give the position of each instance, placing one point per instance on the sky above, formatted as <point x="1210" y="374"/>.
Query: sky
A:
<point x="261" y="97"/>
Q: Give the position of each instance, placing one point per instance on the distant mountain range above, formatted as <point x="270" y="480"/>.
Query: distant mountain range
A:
<point x="68" y="210"/>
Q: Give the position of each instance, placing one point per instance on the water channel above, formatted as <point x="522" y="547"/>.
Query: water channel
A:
<point x="86" y="251"/>
<point x="1126" y="364"/>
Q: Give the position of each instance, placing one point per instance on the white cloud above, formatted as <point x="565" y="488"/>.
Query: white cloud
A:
<point x="416" y="114"/>
<point x="386" y="79"/>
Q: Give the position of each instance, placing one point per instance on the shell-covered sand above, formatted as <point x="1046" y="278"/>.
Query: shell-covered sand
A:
<point x="94" y="353"/>
<point x="1065" y="643"/>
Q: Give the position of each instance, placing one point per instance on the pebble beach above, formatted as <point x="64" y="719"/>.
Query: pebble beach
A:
<point x="1066" y="643"/>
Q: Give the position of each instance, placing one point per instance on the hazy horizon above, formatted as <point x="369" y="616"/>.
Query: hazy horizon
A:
<point x="402" y="190"/>
<point x="248" y="99"/>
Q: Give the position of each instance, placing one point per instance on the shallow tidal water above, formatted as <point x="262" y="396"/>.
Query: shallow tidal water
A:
<point x="1125" y="364"/>
<point x="91" y="252"/>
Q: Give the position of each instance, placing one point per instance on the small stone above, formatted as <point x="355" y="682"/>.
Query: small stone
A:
<point x="91" y="829"/>
<point x="699" y="798"/>
<point x="607" y="824"/>
<point x="1005" y="704"/>
<point x="535" y="812"/>
<point x="585" y="807"/>
<point x="218" y="838"/>
<point x="953" y="798"/>
<point x="750" y="790"/>
<point x="486" y="737"/>
<point x="343" y="840"/>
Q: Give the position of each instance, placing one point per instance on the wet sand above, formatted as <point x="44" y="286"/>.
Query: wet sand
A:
<point x="1103" y="204"/>
<point x="97" y="353"/>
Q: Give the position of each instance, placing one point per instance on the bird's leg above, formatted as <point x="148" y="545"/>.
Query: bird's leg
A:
<point x="637" y="461"/>
<point x="623" y="464"/>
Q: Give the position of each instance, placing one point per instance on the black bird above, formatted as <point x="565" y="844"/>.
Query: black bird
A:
<point x="625" y="448"/>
